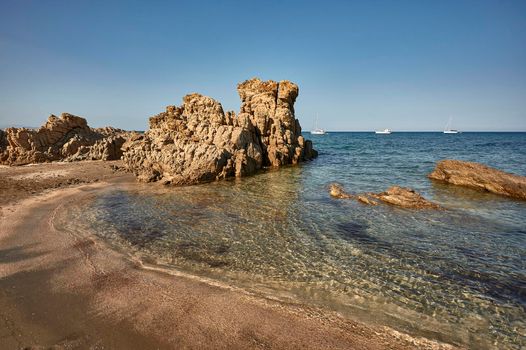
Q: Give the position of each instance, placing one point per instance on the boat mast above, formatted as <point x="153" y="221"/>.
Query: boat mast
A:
<point x="449" y="123"/>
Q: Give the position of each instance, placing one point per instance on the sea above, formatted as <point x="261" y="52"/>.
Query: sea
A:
<point x="456" y="275"/>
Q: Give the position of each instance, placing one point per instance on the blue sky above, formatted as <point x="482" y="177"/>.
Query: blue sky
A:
<point x="361" y="65"/>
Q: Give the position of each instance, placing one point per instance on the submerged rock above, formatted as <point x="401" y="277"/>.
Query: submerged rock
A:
<point x="198" y="142"/>
<point x="367" y="200"/>
<point x="337" y="191"/>
<point x="66" y="138"/>
<point x="399" y="196"/>
<point x="405" y="197"/>
<point x="479" y="176"/>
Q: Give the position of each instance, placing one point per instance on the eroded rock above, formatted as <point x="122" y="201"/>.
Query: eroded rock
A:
<point x="198" y="142"/>
<point x="337" y="191"/>
<point x="107" y="148"/>
<point x="399" y="196"/>
<point x="66" y="138"/>
<point x="269" y="105"/>
<point x="479" y="176"/>
<point x="405" y="198"/>
<point x="367" y="200"/>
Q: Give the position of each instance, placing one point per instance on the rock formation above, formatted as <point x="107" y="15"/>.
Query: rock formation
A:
<point x="198" y="142"/>
<point x="270" y="108"/>
<point x="399" y="196"/>
<point x="405" y="197"/>
<point x="337" y="191"/>
<point x="66" y="138"/>
<point x="479" y="176"/>
<point x="3" y="140"/>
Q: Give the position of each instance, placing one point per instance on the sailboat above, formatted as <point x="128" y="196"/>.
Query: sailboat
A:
<point x="316" y="130"/>
<point x="448" y="130"/>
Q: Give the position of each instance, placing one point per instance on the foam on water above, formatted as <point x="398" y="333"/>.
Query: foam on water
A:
<point x="457" y="275"/>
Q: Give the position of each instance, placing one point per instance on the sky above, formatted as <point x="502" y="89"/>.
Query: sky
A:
<point x="360" y="65"/>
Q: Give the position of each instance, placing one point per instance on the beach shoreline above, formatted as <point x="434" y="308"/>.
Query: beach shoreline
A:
<point x="69" y="291"/>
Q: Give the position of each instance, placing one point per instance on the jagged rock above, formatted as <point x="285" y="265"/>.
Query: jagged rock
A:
<point x="479" y="176"/>
<point x="367" y="200"/>
<point x="337" y="191"/>
<point x="108" y="131"/>
<point x="3" y="140"/>
<point x="270" y="107"/>
<point x="66" y="138"/>
<point x="399" y="196"/>
<point x="198" y="142"/>
<point x="404" y="197"/>
<point x="108" y="148"/>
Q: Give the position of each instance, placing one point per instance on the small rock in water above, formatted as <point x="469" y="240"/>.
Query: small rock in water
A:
<point x="406" y="198"/>
<point x="337" y="191"/>
<point x="367" y="200"/>
<point x="399" y="196"/>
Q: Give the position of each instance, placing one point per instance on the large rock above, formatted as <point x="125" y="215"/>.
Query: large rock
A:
<point x="398" y="196"/>
<point x="480" y="177"/>
<point x="106" y="148"/>
<point x="269" y="105"/>
<point x="3" y="140"/>
<point x="198" y="142"/>
<point x="66" y="138"/>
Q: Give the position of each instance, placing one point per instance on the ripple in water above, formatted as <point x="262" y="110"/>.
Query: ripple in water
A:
<point x="456" y="275"/>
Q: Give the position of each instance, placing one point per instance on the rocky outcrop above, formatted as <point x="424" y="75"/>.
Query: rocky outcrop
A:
<point x="3" y="140"/>
<point x="398" y="196"/>
<point x="269" y="106"/>
<point x="198" y="142"/>
<point x="479" y="176"/>
<point x="107" y="148"/>
<point x="66" y="138"/>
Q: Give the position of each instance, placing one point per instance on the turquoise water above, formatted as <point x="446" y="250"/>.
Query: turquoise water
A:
<point x="457" y="275"/>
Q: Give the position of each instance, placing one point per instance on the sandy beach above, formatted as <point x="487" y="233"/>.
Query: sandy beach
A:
<point x="67" y="291"/>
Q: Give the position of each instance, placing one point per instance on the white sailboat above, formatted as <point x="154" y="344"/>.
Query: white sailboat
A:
<point x="448" y="129"/>
<point x="316" y="130"/>
<point x="384" y="131"/>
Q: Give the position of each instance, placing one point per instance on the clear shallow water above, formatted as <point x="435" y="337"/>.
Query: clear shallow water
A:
<point x="457" y="275"/>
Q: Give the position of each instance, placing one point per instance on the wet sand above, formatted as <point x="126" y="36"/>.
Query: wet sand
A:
<point x="73" y="292"/>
